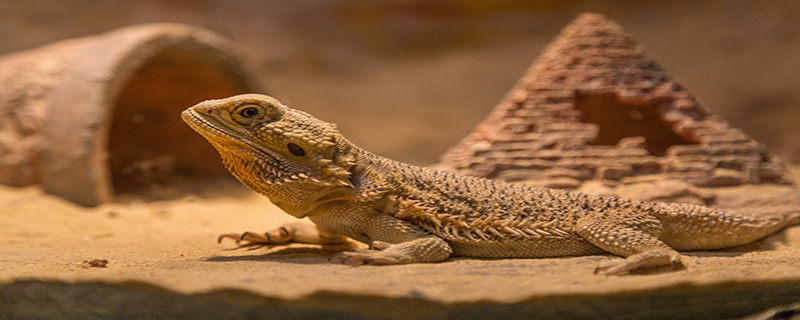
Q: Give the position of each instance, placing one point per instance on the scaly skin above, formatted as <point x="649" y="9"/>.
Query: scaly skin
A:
<point x="410" y="214"/>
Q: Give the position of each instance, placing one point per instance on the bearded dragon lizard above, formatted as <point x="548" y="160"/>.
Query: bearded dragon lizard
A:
<point x="411" y="214"/>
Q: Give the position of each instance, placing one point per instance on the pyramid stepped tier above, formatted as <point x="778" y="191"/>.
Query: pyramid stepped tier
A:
<point x="595" y="107"/>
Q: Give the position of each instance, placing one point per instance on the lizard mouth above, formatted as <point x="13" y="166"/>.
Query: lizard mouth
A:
<point x="211" y="131"/>
<point x="203" y="126"/>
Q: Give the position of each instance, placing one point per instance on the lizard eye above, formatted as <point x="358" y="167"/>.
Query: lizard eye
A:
<point x="296" y="150"/>
<point x="248" y="113"/>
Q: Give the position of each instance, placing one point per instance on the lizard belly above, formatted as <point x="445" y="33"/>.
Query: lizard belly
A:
<point x="524" y="248"/>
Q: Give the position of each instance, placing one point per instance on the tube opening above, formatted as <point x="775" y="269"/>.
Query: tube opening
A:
<point x="151" y="151"/>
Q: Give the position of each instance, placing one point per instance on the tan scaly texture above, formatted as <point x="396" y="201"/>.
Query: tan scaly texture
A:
<point x="410" y="214"/>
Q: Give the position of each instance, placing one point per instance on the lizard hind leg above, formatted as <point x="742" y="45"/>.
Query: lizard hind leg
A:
<point x="635" y="238"/>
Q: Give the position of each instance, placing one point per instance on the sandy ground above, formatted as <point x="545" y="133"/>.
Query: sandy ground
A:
<point x="171" y="245"/>
<point x="162" y="256"/>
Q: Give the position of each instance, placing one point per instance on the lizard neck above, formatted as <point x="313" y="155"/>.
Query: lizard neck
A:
<point x="298" y="197"/>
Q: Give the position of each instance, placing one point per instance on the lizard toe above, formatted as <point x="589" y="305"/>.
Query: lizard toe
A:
<point x="381" y="261"/>
<point x="379" y="245"/>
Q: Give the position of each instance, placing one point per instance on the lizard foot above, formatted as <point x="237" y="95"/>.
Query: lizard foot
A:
<point x="277" y="236"/>
<point x="290" y="232"/>
<point x="364" y="256"/>
<point x="374" y="255"/>
<point x="425" y="249"/>
<point x="652" y="258"/>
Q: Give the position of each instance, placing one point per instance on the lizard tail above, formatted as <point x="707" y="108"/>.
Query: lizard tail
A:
<point x="705" y="228"/>
<point x="777" y="218"/>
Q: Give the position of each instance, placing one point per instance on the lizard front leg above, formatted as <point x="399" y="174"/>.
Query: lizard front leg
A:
<point x="394" y="241"/>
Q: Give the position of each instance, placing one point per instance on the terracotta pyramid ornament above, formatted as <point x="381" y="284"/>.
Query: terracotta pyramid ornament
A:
<point x="594" y="107"/>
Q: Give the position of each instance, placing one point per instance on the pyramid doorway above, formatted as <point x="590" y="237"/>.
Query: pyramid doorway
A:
<point x="642" y="122"/>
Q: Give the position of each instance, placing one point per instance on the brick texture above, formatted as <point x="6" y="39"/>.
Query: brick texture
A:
<point x="595" y="106"/>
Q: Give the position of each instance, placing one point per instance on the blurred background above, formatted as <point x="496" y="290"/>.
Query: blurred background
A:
<point x="407" y="79"/>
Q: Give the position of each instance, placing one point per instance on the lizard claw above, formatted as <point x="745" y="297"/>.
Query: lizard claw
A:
<point x="235" y="236"/>
<point x="335" y="256"/>
<point x="331" y="258"/>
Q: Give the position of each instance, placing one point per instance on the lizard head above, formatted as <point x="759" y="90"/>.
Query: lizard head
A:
<point x="268" y="145"/>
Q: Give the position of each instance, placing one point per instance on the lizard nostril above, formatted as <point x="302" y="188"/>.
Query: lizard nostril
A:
<point x="204" y="110"/>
